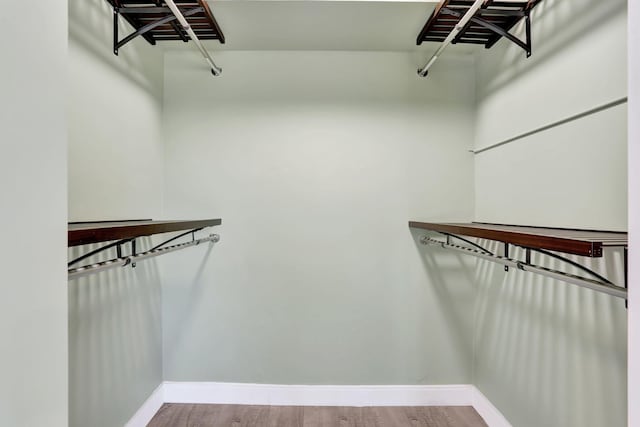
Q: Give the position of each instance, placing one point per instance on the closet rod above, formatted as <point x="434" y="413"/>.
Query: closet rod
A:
<point x="584" y="282"/>
<point x="215" y="70"/>
<point x="422" y="72"/>
<point x="74" y="273"/>
<point x="560" y="122"/>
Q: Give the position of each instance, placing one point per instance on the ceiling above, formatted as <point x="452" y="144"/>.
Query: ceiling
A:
<point x="321" y="25"/>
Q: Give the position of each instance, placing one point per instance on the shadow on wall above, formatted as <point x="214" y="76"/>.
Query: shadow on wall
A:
<point x="440" y="268"/>
<point x="555" y="24"/>
<point x="91" y="27"/>
<point x="115" y="341"/>
<point x="548" y="353"/>
<point x="184" y="304"/>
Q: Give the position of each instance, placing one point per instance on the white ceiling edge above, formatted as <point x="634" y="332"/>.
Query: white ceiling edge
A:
<point x="336" y="1"/>
<point x="426" y="49"/>
<point x="321" y="25"/>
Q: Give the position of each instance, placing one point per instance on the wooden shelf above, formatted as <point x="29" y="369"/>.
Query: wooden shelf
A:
<point x="84" y="233"/>
<point x="491" y="22"/>
<point x="141" y="13"/>
<point x="577" y="242"/>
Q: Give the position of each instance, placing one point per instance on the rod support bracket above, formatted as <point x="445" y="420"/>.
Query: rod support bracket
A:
<point x="115" y="32"/>
<point x="625" y="256"/>
<point x="598" y="283"/>
<point x="506" y="255"/>
<point x="134" y="257"/>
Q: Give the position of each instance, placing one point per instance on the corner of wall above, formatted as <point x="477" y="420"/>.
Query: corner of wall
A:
<point x="116" y="171"/>
<point x="633" y="376"/>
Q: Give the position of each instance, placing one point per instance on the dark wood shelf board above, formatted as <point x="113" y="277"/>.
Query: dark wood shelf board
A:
<point x="84" y="233"/>
<point x="203" y="23"/>
<point x="441" y="23"/>
<point x="576" y="242"/>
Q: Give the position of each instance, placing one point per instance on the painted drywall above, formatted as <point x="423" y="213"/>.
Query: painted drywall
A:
<point x="634" y="214"/>
<point x="33" y="306"/>
<point x="115" y="172"/>
<point x="565" y="177"/>
<point x="355" y="25"/>
<point x="577" y="171"/>
<point x="115" y="104"/>
<point x="115" y="349"/>
<point x="315" y="161"/>
<point x="548" y="353"/>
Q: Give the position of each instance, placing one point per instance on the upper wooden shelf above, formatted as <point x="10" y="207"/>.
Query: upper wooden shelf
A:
<point x="155" y="22"/>
<point x="492" y="22"/>
<point x="84" y="233"/>
<point x="576" y="242"/>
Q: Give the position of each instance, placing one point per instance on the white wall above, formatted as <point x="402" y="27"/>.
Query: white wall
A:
<point x="579" y="53"/>
<point x="115" y="172"/>
<point x="315" y="161"/>
<point x="634" y="214"/>
<point x="573" y="175"/>
<point x="33" y="306"/>
<point x="549" y="353"/>
<point x="115" y="104"/>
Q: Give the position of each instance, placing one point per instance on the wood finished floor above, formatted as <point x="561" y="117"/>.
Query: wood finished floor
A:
<point x="190" y="415"/>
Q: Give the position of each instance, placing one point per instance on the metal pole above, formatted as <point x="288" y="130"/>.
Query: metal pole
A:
<point x="422" y="72"/>
<point x="74" y="273"/>
<point x="584" y="282"/>
<point x="214" y="68"/>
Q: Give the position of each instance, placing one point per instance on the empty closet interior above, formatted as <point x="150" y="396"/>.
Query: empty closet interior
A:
<point x="349" y="193"/>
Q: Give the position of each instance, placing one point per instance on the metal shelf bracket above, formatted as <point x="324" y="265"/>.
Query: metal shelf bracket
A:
<point x="482" y="22"/>
<point x="134" y="256"/>
<point x="526" y="44"/>
<point x="597" y="282"/>
<point x="145" y="30"/>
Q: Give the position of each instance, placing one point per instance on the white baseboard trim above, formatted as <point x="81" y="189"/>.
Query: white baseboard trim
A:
<point x="318" y="395"/>
<point x="487" y="411"/>
<point x="148" y="409"/>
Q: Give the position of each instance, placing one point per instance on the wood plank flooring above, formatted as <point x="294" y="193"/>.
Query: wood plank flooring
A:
<point x="191" y="415"/>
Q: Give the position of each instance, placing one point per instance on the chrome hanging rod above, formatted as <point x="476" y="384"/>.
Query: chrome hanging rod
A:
<point x="422" y="72"/>
<point x="74" y="273"/>
<point x="215" y="70"/>
<point x="584" y="282"/>
<point x="552" y="125"/>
